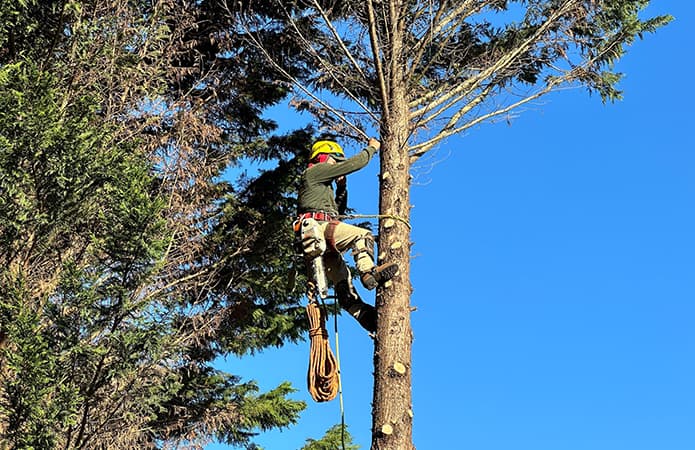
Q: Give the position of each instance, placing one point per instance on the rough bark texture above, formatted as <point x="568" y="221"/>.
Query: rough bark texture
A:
<point x="393" y="409"/>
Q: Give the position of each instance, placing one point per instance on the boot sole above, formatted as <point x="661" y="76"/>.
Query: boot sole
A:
<point x="380" y="275"/>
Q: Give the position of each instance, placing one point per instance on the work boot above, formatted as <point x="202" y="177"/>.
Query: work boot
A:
<point x="378" y="274"/>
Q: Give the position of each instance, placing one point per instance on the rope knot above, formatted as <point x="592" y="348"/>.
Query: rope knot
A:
<point x="318" y="332"/>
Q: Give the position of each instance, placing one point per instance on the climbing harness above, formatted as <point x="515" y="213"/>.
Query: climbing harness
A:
<point x="330" y="236"/>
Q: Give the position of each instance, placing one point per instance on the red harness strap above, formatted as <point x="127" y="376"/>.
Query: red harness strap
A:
<point x="330" y="235"/>
<point x="318" y="215"/>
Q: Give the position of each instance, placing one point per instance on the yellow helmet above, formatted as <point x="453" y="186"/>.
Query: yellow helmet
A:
<point x="329" y="147"/>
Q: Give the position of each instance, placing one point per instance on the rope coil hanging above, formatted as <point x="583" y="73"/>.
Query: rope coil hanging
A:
<point x="323" y="378"/>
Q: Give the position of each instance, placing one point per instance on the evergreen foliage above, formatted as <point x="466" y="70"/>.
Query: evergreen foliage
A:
<point x="126" y="265"/>
<point x="335" y="438"/>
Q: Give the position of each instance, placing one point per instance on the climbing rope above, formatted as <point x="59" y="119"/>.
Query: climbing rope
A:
<point x="323" y="378"/>
<point x="376" y="216"/>
<point x="340" y="384"/>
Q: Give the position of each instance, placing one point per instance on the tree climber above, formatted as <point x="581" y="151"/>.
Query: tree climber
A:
<point x="317" y="200"/>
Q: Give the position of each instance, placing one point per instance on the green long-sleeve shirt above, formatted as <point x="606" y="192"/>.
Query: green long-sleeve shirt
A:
<point x="316" y="188"/>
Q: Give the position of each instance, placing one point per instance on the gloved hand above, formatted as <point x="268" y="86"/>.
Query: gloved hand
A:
<point x="374" y="143"/>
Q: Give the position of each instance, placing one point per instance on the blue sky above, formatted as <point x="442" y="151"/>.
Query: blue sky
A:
<point x="553" y="273"/>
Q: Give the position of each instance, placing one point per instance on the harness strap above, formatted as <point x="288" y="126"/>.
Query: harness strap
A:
<point x="318" y="215"/>
<point x="330" y="235"/>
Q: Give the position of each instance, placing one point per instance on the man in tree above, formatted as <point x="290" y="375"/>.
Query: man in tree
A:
<point x="318" y="201"/>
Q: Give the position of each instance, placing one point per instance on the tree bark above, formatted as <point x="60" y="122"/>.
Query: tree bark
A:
<point x="392" y="412"/>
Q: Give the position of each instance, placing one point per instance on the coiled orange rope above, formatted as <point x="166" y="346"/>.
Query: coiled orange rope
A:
<point x="323" y="378"/>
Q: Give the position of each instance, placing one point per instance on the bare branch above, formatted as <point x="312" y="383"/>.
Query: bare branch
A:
<point x="297" y="83"/>
<point x="329" y="68"/>
<point x="339" y="40"/>
<point x="461" y="13"/>
<point x="376" y="55"/>
<point x="502" y="63"/>
<point x="450" y="129"/>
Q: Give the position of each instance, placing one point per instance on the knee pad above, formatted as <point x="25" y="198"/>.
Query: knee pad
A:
<point x="364" y="244"/>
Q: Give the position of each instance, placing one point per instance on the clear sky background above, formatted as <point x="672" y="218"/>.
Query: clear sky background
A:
<point x="553" y="272"/>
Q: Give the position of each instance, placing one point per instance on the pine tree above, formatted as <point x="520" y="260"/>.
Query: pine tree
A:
<point x="418" y="72"/>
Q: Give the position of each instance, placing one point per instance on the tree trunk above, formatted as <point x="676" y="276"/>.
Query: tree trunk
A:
<point x="392" y="407"/>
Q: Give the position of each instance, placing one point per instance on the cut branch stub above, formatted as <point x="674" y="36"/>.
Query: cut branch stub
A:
<point x="387" y="429"/>
<point x="399" y="368"/>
